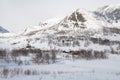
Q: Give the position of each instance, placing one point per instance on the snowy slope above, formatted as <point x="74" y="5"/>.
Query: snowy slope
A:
<point x="66" y="70"/>
<point x="73" y="24"/>
<point x="110" y="15"/>
<point x="42" y="25"/>
<point x="80" y="20"/>
<point x="80" y="26"/>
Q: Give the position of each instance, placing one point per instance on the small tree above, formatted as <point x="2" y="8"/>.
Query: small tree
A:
<point x="87" y="43"/>
<point x="5" y="72"/>
<point x="47" y="58"/>
<point x="53" y="56"/>
<point x="2" y="53"/>
<point x="38" y="57"/>
<point x="112" y="50"/>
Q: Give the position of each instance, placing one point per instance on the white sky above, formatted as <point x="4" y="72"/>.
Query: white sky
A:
<point x="16" y="15"/>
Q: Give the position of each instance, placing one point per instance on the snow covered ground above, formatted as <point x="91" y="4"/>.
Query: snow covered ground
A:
<point x="99" y="69"/>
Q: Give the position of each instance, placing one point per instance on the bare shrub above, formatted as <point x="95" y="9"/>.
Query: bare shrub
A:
<point x="3" y="53"/>
<point x="5" y="72"/>
<point x="38" y="56"/>
<point x="27" y="72"/>
<point x="47" y="58"/>
<point x="53" y="57"/>
<point x="88" y="54"/>
<point x="22" y="51"/>
<point x="100" y="54"/>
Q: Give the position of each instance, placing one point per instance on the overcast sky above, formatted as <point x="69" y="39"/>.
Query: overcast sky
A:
<point x="16" y="15"/>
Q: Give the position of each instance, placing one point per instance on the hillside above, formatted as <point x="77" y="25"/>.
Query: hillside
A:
<point x="80" y="29"/>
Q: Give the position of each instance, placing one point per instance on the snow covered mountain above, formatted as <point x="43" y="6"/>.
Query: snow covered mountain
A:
<point x="81" y="20"/>
<point x="81" y="29"/>
<point x="73" y="24"/>
<point x="109" y="14"/>
<point x="63" y="43"/>
<point x="2" y="30"/>
<point x="79" y="35"/>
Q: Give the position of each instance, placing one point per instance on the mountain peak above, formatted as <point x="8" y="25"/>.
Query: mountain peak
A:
<point x="77" y="16"/>
<point x="109" y="8"/>
<point x="80" y="18"/>
<point x="2" y="30"/>
<point x="109" y="14"/>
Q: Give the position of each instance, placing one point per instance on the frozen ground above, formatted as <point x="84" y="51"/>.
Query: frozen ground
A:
<point x="103" y="69"/>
